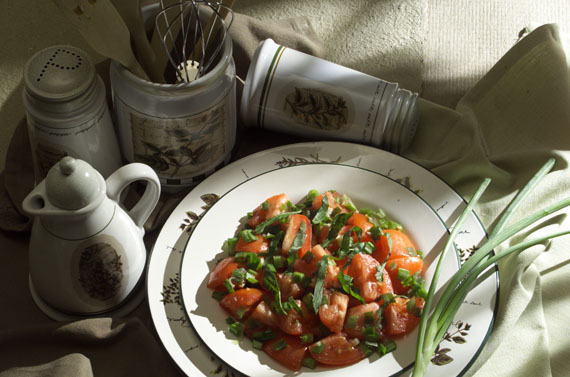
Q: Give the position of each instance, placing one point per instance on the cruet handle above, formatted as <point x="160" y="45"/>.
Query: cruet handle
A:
<point x="128" y="174"/>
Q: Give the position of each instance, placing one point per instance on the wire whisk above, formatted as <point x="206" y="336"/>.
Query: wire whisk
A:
<point x="191" y="46"/>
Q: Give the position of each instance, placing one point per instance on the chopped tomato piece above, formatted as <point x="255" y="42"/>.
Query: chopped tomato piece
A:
<point x="412" y="264"/>
<point x="271" y="207"/>
<point x="261" y="245"/>
<point x="332" y="197"/>
<point x="398" y="320"/>
<point x="332" y="314"/>
<point x="221" y="272"/>
<point x="289" y="287"/>
<point x="361" y="221"/>
<point x="290" y="356"/>
<point x="309" y="267"/>
<point x="400" y="244"/>
<point x="363" y="270"/>
<point x="336" y="350"/>
<point x="355" y="319"/>
<point x="241" y="302"/>
<point x="264" y="315"/>
<point x="292" y="231"/>
<point x="295" y="323"/>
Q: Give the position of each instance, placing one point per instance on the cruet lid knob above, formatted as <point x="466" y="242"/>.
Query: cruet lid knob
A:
<point x="72" y="184"/>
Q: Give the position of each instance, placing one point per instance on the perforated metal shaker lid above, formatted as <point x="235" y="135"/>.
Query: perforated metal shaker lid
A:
<point x="58" y="73"/>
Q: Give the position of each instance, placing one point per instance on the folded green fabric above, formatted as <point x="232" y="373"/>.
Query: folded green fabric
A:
<point x="505" y="128"/>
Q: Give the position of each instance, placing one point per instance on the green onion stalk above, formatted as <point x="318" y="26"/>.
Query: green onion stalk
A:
<point x="432" y="327"/>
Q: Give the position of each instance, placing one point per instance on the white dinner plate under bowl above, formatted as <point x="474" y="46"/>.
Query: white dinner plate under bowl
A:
<point x="191" y="324"/>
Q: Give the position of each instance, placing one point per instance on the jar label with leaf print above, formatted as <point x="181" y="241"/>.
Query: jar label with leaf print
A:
<point x="181" y="150"/>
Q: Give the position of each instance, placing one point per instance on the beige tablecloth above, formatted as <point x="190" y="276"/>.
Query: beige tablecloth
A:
<point x="516" y="117"/>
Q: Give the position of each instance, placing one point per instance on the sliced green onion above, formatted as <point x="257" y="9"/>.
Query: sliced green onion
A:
<point x="229" y="286"/>
<point x="241" y="311"/>
<point x="347" y="202"/>
<point x="370" y="333"/>
<point x="230" y="245"/>
<point x="318" y="348"/>
<point x="265" y="206"/>
<point x="307" y="338"/>
<point x="365" y="348"/>
<point x="280" y="344"/>
<point x="351" y="321"/>
<point x="279" y="261"/>
<point x="433" y="327"/>
<point x="369" y="318"/>
<point x="403" y="274"/>
<point x="257" y="344"/>
<point x="299" y="277"/>
<point x="236" y="328"/>
<point x="248" y="235"/>
<point x="264" y="335"/>
<point x="216" y="295"/>
<point x="386" y="347"/>
<point x="309" y="362"/>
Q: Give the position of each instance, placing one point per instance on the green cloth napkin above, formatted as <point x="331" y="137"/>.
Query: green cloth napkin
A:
<point x="505" y="128"/>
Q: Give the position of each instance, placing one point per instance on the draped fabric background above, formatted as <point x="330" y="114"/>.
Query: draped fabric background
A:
<point x="482" y="114"/>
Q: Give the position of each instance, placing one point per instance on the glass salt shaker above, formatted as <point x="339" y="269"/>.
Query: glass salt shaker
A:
<point x="67" y="113"/>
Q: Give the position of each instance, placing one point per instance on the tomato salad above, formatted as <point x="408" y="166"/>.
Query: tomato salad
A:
<point x="319" y="282"/>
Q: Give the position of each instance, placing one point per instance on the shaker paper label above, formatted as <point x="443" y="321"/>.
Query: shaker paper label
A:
<point x="300" y="96"/>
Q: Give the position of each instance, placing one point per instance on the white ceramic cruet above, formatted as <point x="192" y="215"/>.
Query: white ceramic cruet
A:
<point x="86" y="252"/>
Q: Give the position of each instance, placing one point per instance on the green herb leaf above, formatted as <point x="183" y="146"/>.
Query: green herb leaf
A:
<point x="260" y="229"/>
<point x="265" y="206"/>
<point x="270" y="282"/>
<point x="322" y="267"/>
<point x="291" y="301"/>
<point x="346" y="285"/>
<point x="322" y="214"/>
<point x="338" y="222"/>
<point x="298" y="241"/>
